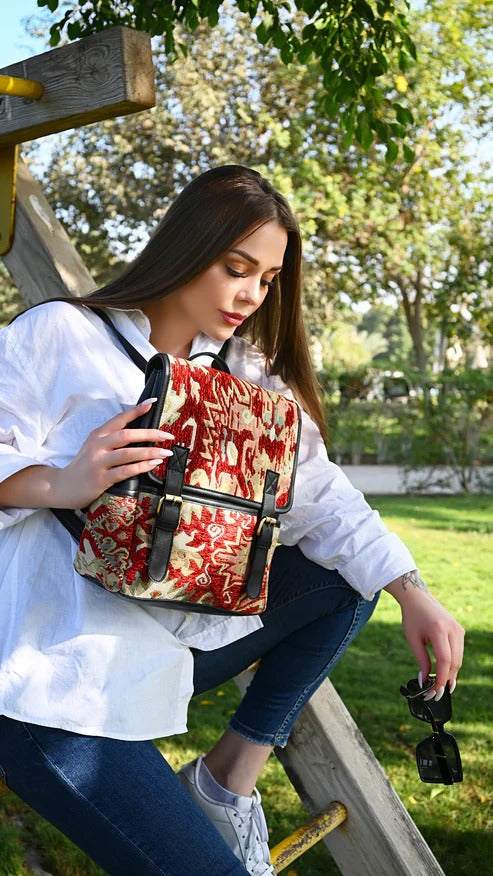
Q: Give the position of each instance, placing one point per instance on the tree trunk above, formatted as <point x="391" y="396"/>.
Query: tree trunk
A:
<point x="413" y="313"/>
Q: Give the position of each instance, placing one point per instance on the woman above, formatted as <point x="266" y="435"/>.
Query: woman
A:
<point x="86" y="680"/>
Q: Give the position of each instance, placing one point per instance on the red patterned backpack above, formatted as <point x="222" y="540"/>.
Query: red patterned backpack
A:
<point x="199" y="530"/>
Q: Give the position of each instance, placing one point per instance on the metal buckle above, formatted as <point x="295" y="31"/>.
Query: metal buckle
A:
<point x="176" y="500"/>
<point x="270" y="520"/>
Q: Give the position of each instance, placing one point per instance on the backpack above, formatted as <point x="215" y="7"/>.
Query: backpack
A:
<point x="198" y="532"/>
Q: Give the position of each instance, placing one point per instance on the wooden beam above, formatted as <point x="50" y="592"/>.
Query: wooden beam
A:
<point x="327" y="759"/>
<point x="102" y="76"/>
<point x="42" y="261"/>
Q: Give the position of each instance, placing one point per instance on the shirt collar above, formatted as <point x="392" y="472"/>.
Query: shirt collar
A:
<point x="204" y="344"/>
<point x="138" y="318"/>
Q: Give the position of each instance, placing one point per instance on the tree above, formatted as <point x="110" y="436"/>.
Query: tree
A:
<point x="386" y="321"/>
<point x="110" y="181"/>
<point x="422" y="233"/>
<point x="353" y="41"/>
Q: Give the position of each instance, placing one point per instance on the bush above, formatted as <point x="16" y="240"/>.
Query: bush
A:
<point x="363" y="431"/>
<point x="448" y="423"/>
<point x="454" y="424"/>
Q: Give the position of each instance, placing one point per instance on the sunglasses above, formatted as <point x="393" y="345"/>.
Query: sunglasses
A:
<point x="437" y="756"/>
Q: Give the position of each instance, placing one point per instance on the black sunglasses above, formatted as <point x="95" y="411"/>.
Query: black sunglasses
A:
<point x="437" y="756"/>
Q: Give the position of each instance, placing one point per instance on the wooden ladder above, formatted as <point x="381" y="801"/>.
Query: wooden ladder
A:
<point x="342" y="785"/>
<point x="355" y="810"/>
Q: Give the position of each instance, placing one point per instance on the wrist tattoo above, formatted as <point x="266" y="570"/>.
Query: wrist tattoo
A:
<point x="412" y="579"/>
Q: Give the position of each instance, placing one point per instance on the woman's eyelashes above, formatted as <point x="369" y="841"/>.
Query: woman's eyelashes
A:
<point x="234" y="273"/>
<point x="269" y="284"/>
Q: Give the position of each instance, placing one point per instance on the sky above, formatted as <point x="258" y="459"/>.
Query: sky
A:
<point x="15" y="44"/>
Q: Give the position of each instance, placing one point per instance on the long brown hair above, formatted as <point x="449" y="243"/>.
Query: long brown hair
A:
<point x="212" y="213"/>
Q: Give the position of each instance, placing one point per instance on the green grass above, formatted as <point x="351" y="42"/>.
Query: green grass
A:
<point x="452" y="542"/>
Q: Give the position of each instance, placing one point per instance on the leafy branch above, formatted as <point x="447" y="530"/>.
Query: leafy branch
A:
<point x="353" y="42"/>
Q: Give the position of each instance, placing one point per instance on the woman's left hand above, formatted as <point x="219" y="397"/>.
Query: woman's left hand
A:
<point x="426" y="622"/>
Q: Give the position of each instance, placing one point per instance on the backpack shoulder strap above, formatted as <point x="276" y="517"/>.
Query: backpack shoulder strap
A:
<point x="134" y="354"/>
<point x="139" y="359"/>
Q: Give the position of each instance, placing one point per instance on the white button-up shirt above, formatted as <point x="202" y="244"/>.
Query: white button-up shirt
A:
<point x="71" y="654"/>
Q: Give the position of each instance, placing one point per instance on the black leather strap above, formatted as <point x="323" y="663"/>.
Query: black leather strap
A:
<point x="260" y="549"/>
<point x="267" y="521"/>
<point x="218" y="359"/>
<point x="268" y="508"/>
<point x="168" y="516"/>
<point x="134" y="354"/>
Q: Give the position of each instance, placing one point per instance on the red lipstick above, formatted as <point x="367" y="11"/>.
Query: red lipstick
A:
<point x="233" y="318"/>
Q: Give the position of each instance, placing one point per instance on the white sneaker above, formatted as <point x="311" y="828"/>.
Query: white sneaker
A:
<point x="242" y="825"/>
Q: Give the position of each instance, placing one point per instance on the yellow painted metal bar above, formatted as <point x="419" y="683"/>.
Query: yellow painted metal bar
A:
<point x="26" y="88"/>
<point x="303" y="839"/>
<point x="8" y="175"/>
<point x="20" y="87"/>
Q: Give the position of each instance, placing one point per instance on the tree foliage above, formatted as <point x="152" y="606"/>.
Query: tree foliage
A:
<point x="354" y="43"/>
<point x="423" y="232"/>
<point x="416" y="233"/>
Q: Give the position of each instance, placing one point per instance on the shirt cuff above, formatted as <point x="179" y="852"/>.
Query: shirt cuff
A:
<point x="371" y="569"/>
<point x="377" y="565"/>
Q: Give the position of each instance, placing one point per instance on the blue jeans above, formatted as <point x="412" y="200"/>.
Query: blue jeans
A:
<point x="312" y="615"/>
<point x="120" y="801"/>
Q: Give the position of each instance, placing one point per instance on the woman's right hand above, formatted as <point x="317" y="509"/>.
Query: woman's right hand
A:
<point x="108" y="455"/>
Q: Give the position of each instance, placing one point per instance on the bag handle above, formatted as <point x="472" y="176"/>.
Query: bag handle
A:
<point x="218" y="359"/>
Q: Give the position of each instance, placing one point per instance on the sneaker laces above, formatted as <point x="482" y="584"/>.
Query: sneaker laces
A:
<point x="255" y="836"/>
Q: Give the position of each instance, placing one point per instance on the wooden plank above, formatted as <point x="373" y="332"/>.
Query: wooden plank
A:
<point x="42" y="261"/>
<point x="102" y="76"/>
<point x="327" y="759"/>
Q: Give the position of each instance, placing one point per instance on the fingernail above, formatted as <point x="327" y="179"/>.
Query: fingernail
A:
<point x="453" y="685"/>
<point x="148" y="401"/>
<point x="429" y="695"/>
<point x="166" y="435"/>
<point x="420" y="678"/>
<point x="163" y="452"/>
<point x="153" y="462"/>
<point x="440" y="692"/>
